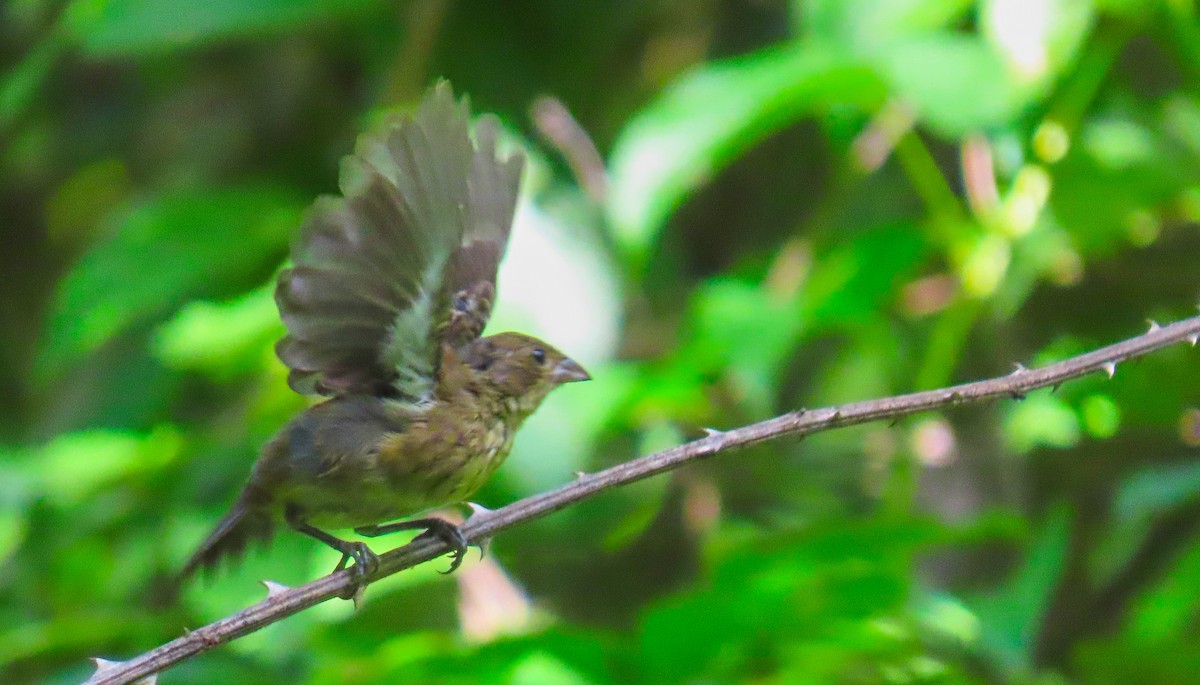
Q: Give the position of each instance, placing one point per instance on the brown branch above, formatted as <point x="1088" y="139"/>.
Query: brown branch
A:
<point x="285" y="602"/>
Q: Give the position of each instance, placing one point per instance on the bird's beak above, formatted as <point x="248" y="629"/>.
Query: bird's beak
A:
<point x="568" y="371"/>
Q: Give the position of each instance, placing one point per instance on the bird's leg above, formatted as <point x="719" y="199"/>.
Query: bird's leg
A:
<point x="365" y="561"/>
<point x="439" y="528"/>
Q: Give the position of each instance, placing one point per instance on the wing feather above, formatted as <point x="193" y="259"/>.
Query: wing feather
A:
<point x="425" y="213"/>
<point x="492" y="199"/>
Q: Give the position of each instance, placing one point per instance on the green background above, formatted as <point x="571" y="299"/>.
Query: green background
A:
<point x="807" y="203"/>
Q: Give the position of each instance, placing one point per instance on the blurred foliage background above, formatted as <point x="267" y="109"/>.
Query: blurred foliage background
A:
<point x="794" y="203"/>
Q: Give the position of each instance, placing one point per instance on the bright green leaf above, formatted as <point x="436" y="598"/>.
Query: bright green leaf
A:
<point x="851" y="284"/>
<point x="1038" y="38"/>
<point x="12" y="533"/>
<point x="1168" y="609"/>
<point x="74" y="466"/>
<point x="939" y="76"/>
<point x="165" y="252"/>
<point x="1012" y="618"/>
<point x="1152" y="491"/>
<point x="544" y="669"/>
<point x="711" y="115"/>
<point x="868" y="25"/>
<point x="132" y="27"/>
<point x="1041" y="420"/>
<point x="1101" y="416"/>
<point x="221" y="338"/>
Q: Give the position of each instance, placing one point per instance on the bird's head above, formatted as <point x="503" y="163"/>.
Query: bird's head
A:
<point x="518" y="368"/>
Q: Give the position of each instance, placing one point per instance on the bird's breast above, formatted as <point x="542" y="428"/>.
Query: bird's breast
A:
<point x="446" y="459"/>
<point x="482" y="459"/>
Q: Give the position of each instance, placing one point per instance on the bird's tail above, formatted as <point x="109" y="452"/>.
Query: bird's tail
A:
<point x="248" y="521"/>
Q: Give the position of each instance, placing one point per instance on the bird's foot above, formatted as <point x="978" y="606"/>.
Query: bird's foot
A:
<point x="366" y="562"/>
<point x="434" y="527"/>
<point x="450" y="534"/>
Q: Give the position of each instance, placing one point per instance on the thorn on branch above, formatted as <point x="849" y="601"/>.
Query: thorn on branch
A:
<point x="718" y="438"/>
<point x="104" y="666"/>
<point x="274" y="589"/>
<point x="474" y="508"/>
<point x="1193" y="339"/>
<point x="1153" y="326"/>
<point x="1110" y="368"/>
<point x="1018" y="369"/>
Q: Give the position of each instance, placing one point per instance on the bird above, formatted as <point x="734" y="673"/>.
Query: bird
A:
<point x="390" y="287"/>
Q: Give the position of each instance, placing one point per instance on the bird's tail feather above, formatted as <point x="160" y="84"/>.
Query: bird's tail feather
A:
<point x="247" y="522"/>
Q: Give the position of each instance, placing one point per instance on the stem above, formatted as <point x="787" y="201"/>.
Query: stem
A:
<point x="285" y="602"/>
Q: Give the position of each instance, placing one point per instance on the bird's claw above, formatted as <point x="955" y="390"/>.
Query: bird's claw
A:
<point x="432" y="527"/>
<point x="366" y="562"/>
<point x="450" y="534"/>
<point x="470" y="509"/>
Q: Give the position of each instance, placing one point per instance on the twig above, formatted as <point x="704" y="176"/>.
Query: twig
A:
<point x="875" y="144"/>
<point x="560" y="128"/>
<point x="979" y="175"/>
<point x="285" y="602"/>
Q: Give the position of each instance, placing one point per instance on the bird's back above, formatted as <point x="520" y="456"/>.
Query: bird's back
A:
<point x="325" y="462"/>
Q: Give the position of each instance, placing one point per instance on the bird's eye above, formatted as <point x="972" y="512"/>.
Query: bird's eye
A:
<point x="539" y="355"/>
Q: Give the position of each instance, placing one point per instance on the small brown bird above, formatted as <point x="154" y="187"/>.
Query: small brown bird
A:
<point x="390" y="288"/>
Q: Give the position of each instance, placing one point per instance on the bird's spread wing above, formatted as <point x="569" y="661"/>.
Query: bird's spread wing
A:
<point x="404" y="261"/>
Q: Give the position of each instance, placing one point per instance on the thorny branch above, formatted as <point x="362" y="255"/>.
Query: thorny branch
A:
<point x="282" y="602"/>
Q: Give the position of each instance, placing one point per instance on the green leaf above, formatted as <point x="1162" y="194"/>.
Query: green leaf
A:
<point x="1041" y="420"/>
<point x="1101" y="415"/>
<point x="12" y="533"/>
<point x="20" y="84"/>
<point x="1143" y="499"/>
<point x="851" y="283"/>
<point x="1011" y="618"/>
<point x="939" y="76"/>
<point x="543" y="669"/>
<point x="1024" y="47"/>
<point x="829" y="587"/>
<point x="164" y="252"/>
<point x="112" y="28"/>
<point x="1038" y="38"/>
<point x="221" y="339"/>
<point x="724" y="309"/>
<point x="869" y="24"/>
<point x="711" y="115"/>
<point x="1168" y="609"/>
<point x="76" y="465"/>
<point x="1155" y="490"/>
<point x="1120" y="171"/>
